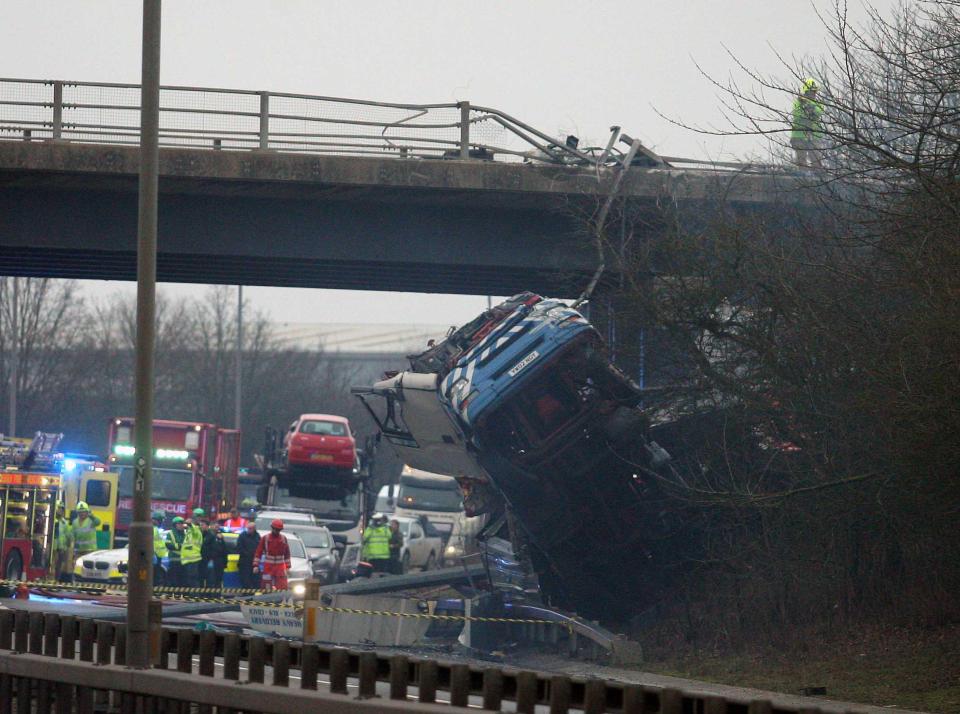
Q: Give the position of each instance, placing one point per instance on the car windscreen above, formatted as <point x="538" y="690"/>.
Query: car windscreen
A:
<point x="429" y="499"/>
<point x="165" y="484"/>
<point x="324" y="428"/>
<point x="296" y="549"/>
<point x="314" y="539"/>
<point x="327" y="503"/>
<point x="263" y="523"/>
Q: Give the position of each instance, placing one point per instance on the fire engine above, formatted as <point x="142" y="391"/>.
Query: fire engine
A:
<point x="195" y="464"/>
<point x="30" y="487"/>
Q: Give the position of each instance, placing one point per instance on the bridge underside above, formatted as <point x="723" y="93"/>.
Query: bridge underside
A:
<point x="292" y="272"/>
<point x="369" y="245"/>
<point x="266" y="218"/>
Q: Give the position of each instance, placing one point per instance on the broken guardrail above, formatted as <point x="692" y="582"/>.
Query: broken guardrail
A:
<point x="247" y="120"/>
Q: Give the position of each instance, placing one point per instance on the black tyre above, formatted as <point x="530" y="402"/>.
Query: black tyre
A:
<point x="405" y="564"/>
<point x="431" y="562"/>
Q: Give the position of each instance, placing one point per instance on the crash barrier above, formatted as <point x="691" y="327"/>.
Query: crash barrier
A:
<point x="187" y="594"/>
<point x="204" y="668"/>
<point x="434" y="616"/>
<point x="235" y="596"/>
<point x="83" y="585"/>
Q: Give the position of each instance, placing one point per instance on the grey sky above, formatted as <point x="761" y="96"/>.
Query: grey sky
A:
<point x="560" y="65"/>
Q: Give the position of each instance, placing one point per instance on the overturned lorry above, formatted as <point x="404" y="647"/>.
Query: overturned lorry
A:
<point x="544" y="434"/>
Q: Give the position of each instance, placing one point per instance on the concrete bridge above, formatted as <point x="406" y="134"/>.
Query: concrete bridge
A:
<point x="273" y="196"/>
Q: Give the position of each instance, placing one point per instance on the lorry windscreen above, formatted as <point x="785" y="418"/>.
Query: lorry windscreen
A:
<point x="326" y="504"/>
<point x="165" y="484"/>
<point x="429" y="499"/>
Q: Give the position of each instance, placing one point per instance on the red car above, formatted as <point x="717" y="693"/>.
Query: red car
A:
<point x="320" y="442"/>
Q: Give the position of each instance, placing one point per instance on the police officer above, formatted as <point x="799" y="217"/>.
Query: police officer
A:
<point x="174" y="547"/>
<point x="84" y="530"/>
<point x="376" y="544"/>
<point x="190" y="555"/>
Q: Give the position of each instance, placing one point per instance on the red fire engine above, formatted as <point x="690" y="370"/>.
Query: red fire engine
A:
<point x="195" y="464"/>
<point x="30" y="487"/>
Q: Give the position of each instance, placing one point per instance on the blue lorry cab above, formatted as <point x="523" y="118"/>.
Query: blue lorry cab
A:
<point x="507" y="356"/>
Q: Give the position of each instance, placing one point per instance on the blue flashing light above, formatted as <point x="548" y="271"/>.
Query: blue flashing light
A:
<point x="69" y="465"/>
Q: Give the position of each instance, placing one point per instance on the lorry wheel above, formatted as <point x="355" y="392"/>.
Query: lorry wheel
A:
<point x="405" y="564"/>
<point x="431" y="562"/>
<point x="13" y="568"/>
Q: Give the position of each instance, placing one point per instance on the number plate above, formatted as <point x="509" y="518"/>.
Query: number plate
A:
<point x="321" y="457"/>
<point x="515" y="370"/>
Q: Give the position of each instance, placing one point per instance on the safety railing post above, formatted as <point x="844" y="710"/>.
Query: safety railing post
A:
<point x="367" y="675"/>
<point x="6" y="629"/>
<point x="559" y="695"/>
<point x="264" y="120"/>
<point x="21" y="628"/>
<point x="57" y="126"/>
<point x="526" y="692"/>
<point x="459" y="685"/>
<point x="399" y="677"/>
<point x="464" y="130"/>
<point x="427" y="681"/>
<point x="339" y="664"/>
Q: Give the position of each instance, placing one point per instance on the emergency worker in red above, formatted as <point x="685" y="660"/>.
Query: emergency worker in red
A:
<point x="235" y="524"/>
<point x="275" y="551"/>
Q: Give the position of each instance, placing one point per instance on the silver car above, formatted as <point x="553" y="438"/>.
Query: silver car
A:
<point x="300" y="566"/>
<point x="321" y="551"/>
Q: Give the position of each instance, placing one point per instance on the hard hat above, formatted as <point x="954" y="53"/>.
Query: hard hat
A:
<point x="379" y="517"/>
<point x="810" y="85"/>
<point x="82" y="506"/>
<point x="178" y="519"/>
<point x="199" y="512"/>
<point x="159" y="515"/>
<point x="277" y="523"/>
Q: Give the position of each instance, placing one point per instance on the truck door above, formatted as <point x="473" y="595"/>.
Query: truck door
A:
<point x="100" y="490"/>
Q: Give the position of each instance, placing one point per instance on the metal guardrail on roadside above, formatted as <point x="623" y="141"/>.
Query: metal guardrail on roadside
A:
<point x="243" y="120"/>
<point x="48" y="660"/>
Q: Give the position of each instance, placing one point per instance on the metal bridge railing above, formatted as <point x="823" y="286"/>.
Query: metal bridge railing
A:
<point x="242" y="120"/>
<point x="94" y="112"/>
<point x="62" y="663"/>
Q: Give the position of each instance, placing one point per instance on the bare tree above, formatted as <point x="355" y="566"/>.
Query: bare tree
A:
<point x="811" y="350"/>
<point x="48" y="324"/>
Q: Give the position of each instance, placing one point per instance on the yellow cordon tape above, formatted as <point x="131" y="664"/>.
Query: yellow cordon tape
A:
<point x="170" y="594"/>
<point x="56" y="584"/>
<point x="428" y="616"/>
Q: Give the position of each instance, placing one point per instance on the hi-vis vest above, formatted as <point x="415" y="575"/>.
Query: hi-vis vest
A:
<point x="174" y="545"/>
<point x="192" y="542"/>
<point x="85" y="533"/>
<point x="376" y="543"/>
<point x="159" y="543"/>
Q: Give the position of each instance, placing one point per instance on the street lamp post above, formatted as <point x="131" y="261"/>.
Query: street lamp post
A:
<point x="140" y="561"/>
<point x="238" y="357"/>
<point x="14" y="356"/>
